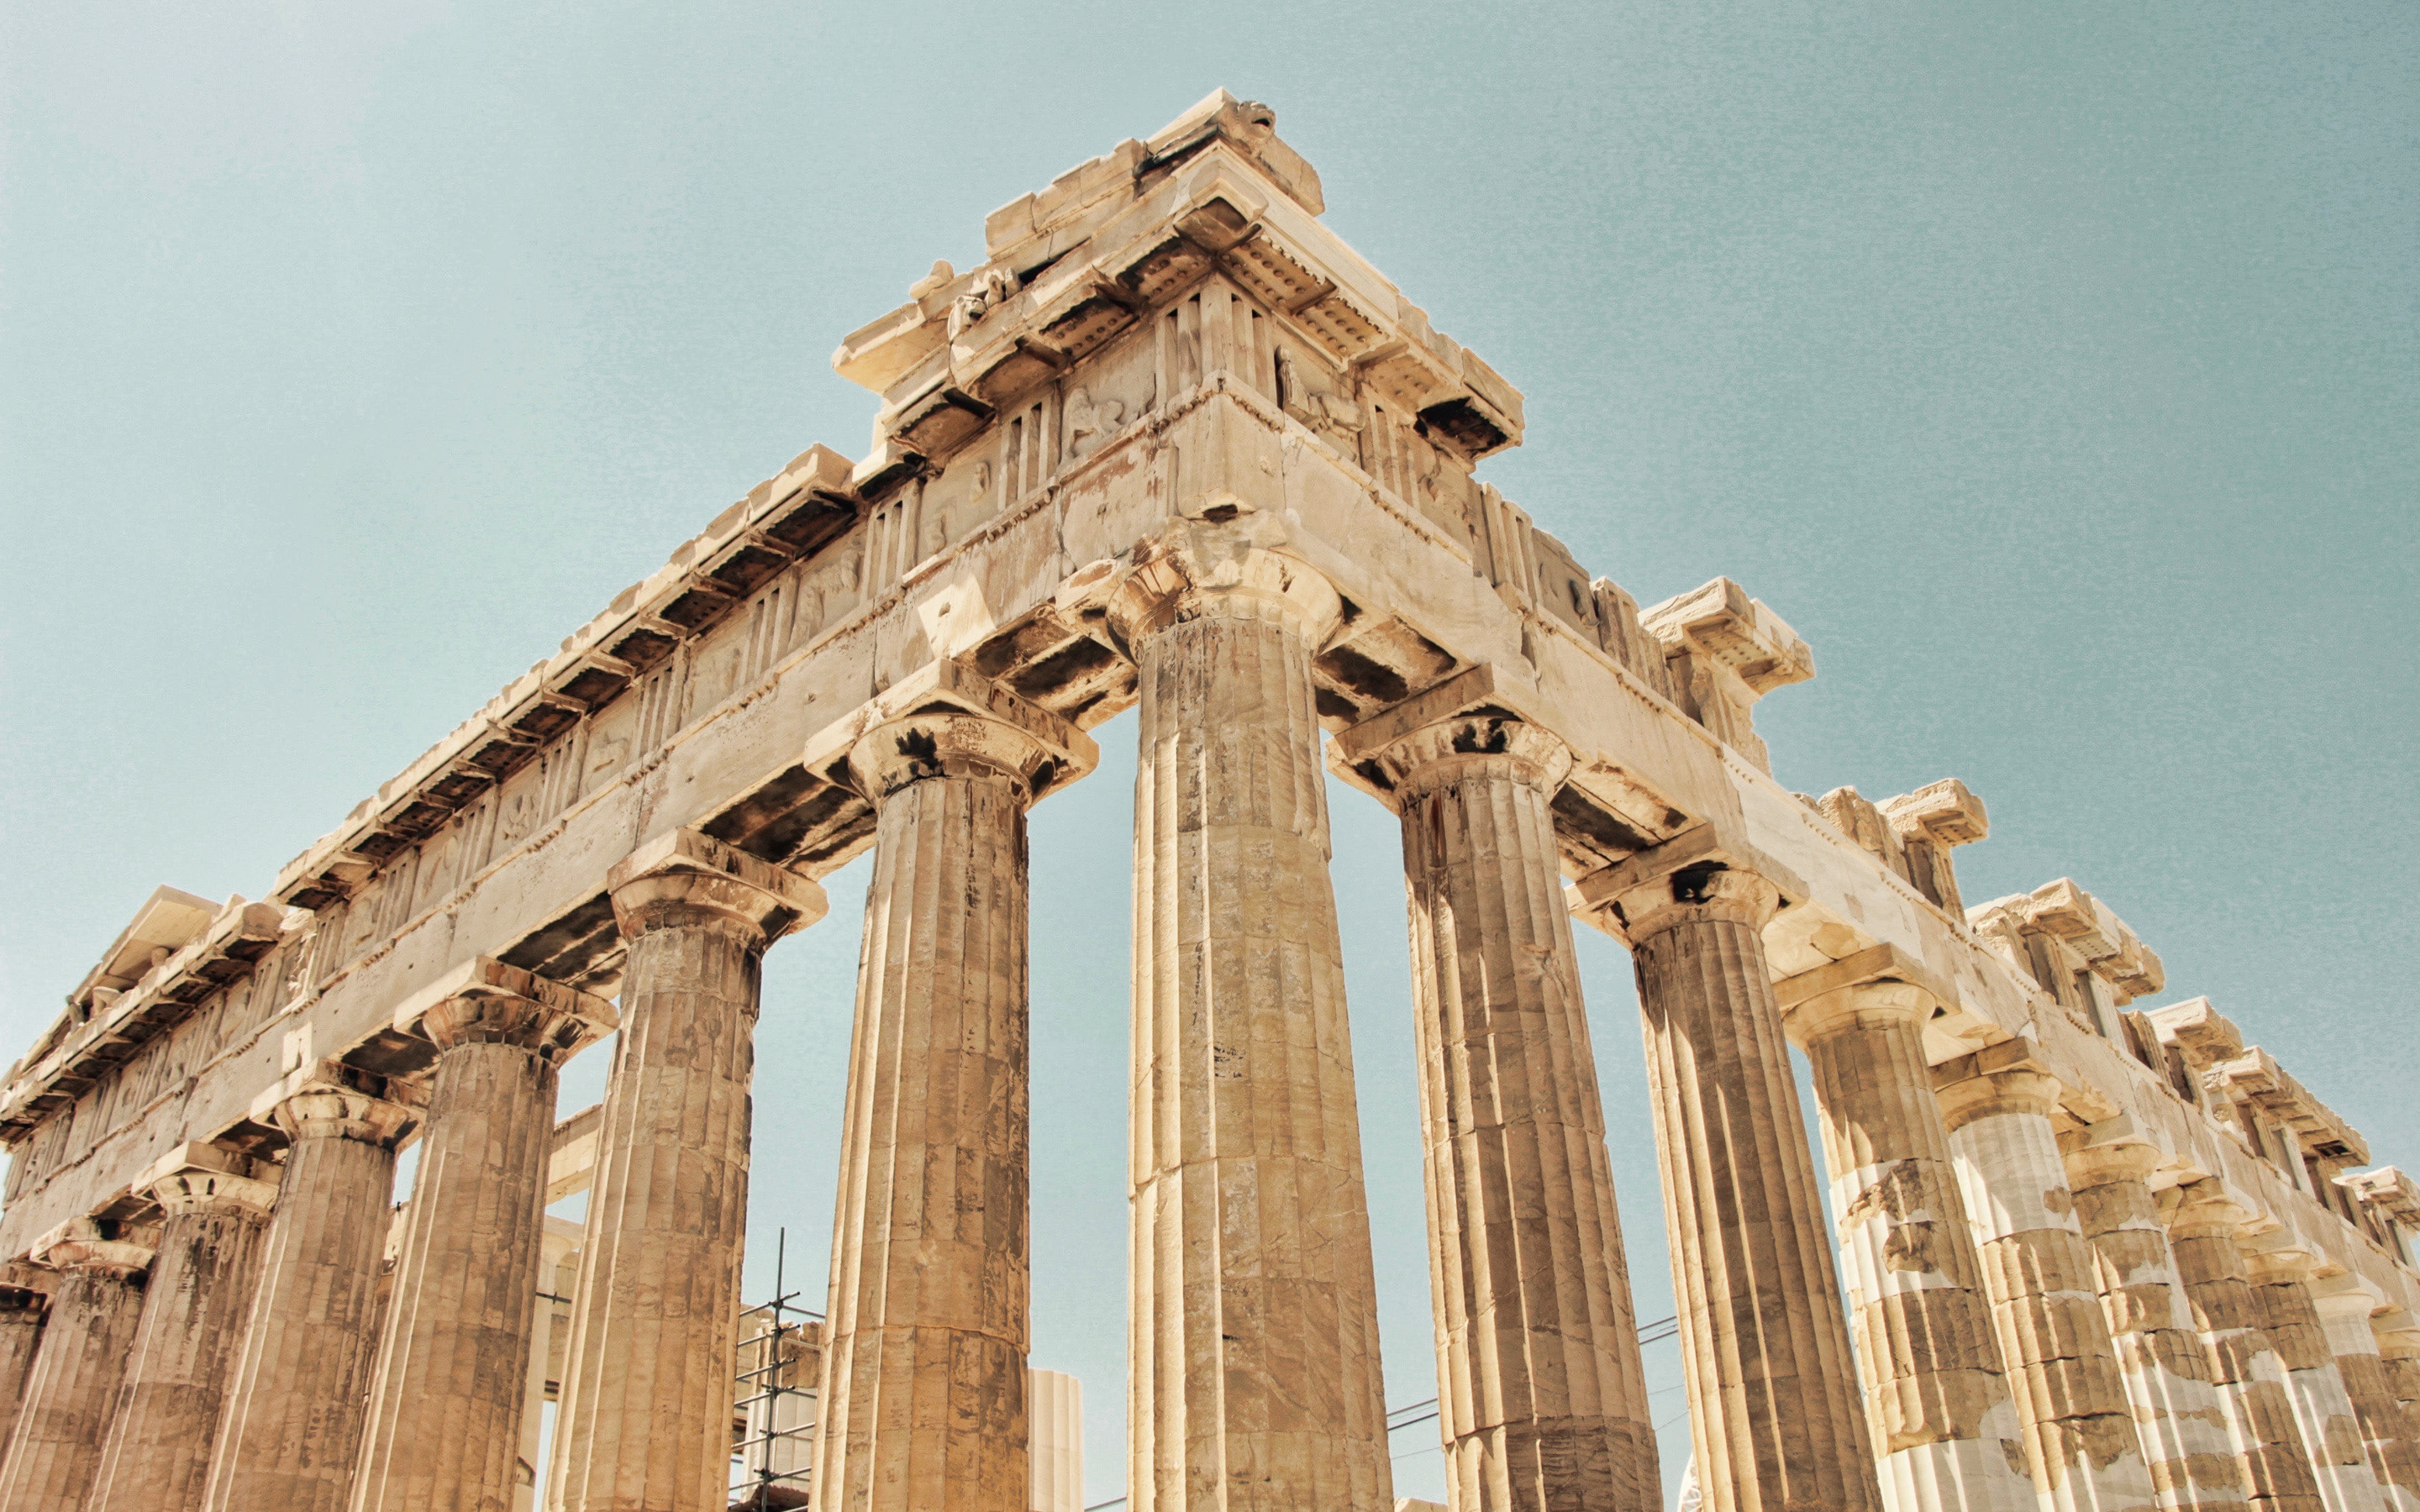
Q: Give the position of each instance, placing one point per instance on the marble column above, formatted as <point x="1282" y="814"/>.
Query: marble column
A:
<point x="216" y="1216"/>
<point x="447" y="1396"/>
<point x="291" y="1423"/>
<point x="1543" y="1395"/>
<point x="23" y="1312"/>
<point x="1775" y="1417"/>
<point x="1253" y="1318"/>
<point x="558" y="1272"/>
<point x="2279" y="1273"/>
<point x="2178" y="1416"/>
<point x="2398" y="1359"/>
<point x="1937" y="1401"/>
<point x="923" y="1398"/>
<point x="2081" y="1447"/>
<point x="72" y="1391"/>
<point x="2244" y="1365"/>
<point x="644" y="1419"/>
<point x="2344" y="1309"/>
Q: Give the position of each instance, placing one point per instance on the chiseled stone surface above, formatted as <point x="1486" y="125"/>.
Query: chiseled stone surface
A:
<point x="2243" y="1363"/>
<point x="2178" y="1419"/>
<point x="1542" y="1392"/>
<point x="216" y="1215"/>
<point x="447" y="1397"/>
<point x="923" y="1396"/>
<point x="644" y="1423"/>
<point x="73" y="1388"/>
<point x="1945" y="1428"/>
<point x="291" y="1423"/>
<point x="2332" y="1435"/>
<point x="1777" y="1421"/>
<point x="1254" y="1330"/>
<point x="2081" y="1447"/>
<point x="22" y="1313"/>
<point x="2344" y="1311"/>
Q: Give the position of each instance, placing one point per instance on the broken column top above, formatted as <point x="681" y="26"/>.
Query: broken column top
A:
<point x="2084" y="924"/>
<point x="1735" y="630"/>
<point x="1069" y="267"/>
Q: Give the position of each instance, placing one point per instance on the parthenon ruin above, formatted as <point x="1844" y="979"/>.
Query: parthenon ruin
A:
<point x="1174" y="445"/>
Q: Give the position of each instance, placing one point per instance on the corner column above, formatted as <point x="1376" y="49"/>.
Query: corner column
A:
<point x="2081" y="1447"/>
<point x="2332" y="1435"/>
<point x="1543" y="1395"/>
<point x="447" y="1397"/>
<point x="1944" y="1428"/>
<point x="2344" y="1311"/>
<point x="72" y="1391"/>
<point x="923" y="1398"/>
<point x="643" y="1422"/>
<point x="2244" y="1365"/>
<point x="1254" y="1327"/>
<point x="2178" y="1416"/>
<point x="158" y="1455"/>
<point x="1774" y="1402"/>
<point x="293" y="1419"/>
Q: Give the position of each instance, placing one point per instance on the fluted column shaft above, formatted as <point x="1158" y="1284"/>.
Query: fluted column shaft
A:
<point x="1774" y="1416"/>
<point x="72" y="1391"/>
<point x="158" y="1455"/>
<point x="1543" y="1395"/>
<point x="2344" y="1311"/>
<point x="2244" y="1365"/>
<point x="923" y="1400"/>
<point x="2332" y="1435"/>
<point x="2178" y="1416"/>
<point x="2081" y="1447"/>
<point x="22" y="1313"/>
<point x="1937" y="1399"/>
<point x="644" y="1423"/>
<point x="447" y="1397"/>
<point x="291" y="1423"/>
<point x="1254" y="1338"/>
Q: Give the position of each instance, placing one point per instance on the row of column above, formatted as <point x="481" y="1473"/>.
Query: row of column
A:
<point x="2030" y="1322"/>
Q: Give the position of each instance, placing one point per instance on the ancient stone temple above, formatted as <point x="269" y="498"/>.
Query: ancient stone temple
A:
<point x="1175" y="446"/>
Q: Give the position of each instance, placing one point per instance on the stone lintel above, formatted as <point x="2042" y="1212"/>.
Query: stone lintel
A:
<point x="1945" y="813"/>
<point x="774" y="897"/>
<point x="944" y="688"/>
<point x="2015" y="1054"/>
<point x="18" y="1276"/>
<point x="1883" y="962"/>
<point x="483" y="977"/>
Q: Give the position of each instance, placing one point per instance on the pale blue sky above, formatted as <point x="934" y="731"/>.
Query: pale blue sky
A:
<point x="2051" y="367"/>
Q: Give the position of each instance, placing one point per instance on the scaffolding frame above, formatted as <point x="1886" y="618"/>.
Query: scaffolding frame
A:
<point x="758" y="1486"/>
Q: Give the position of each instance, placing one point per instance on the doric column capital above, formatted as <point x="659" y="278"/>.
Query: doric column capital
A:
<point x="2205" y="1210"/>
<point x="1865" y="1004"/>
<point x="1693" y="877"/>
<point x="2002" y="1078"/>
<point x="205" y="1178"/>
<point x="1206" y="573"/>
<point x="2276" y="1258"/>
<point x="330" y="1099"/>
<point x="2342" y="1298"/>
<point x="485" y="1001"/>
<point x="1477" y="722"/>
<point x="2111" y="1150"/>
<point x="106" y="1248"/>
<point x="684" y="879"/>
<point x="949" y="720"/>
